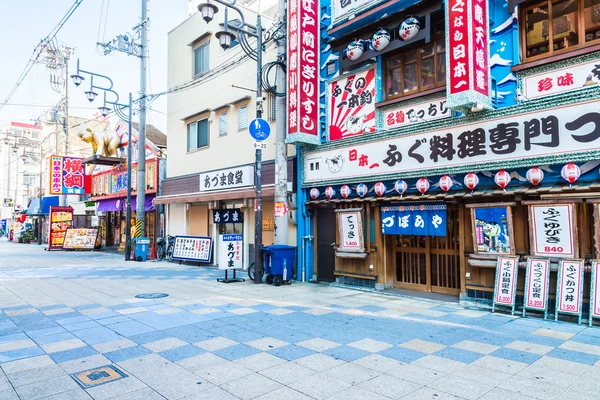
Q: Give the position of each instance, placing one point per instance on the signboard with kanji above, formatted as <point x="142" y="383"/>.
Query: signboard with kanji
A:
<point x="352" y="105"/>
<point x="339" y="8"/>
<point x="552" y="230"/>
<point x="595" y="292"/>
<point x="467" y="61"/>
<point x="303" y="71"/>
<point x="569" y="288"/>
<point x="67" y="175"/>
<point x="231" y="251"/>
<point x="414" y="219"/>
<point x="537" y="283"/>
<point x="350" y="231"/>
<point x="192" y="248"/>
<point x="561" y="80"/>
<point x="400" y="116"/>
<point x="229" y="178"/>
<point x="227" y="216"/>
<point x="505" y="285"/>
<point x="61" y="219"/>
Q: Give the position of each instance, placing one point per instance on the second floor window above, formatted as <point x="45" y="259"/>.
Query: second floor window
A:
<point x="201" y="59"/>
<point x="242" y="118"/>
<point x="223" y="124"/>
<point x="197" y="134"/>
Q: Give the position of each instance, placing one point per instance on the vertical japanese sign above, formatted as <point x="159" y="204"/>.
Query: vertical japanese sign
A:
<point x="537" y="281"/>
<point x="230" y="252"/>
<point x="595" y="292"/>
<point x="67" y="175"/>
<point x="552" y="230"/>
<point x="569" y="288"/>
<point x="61" y="219"/>
<point x="467" y="62"/>
<point x="352" y="105"/>
<point x="505" y="287"/>
<point x="303" y="72"/>
<point x="350" y="230"/>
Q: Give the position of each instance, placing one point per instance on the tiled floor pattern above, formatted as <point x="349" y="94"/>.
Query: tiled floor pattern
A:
<point x="63" y="313"/>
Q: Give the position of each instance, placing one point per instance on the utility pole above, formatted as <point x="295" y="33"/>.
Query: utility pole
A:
<point x="281" y="178"/>
<point x="141" y="175"/>
<point x="258" y="234"/>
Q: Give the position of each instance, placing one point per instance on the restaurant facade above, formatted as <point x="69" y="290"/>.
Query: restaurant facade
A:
<point x="455" y="136"/>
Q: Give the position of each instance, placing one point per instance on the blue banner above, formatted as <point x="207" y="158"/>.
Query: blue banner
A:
<point x="414" y="219"/>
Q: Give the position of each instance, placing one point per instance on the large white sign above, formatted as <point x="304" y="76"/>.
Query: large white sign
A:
<point x="230" y="251"/>
<point x="568" y="129"/>
<point x="506" y="279"/>
<point x="569" y="287"/>
<point x="350" y="230"/>
<point x="192" y="248"/>
<point x="552" y="227"/>
<point x="595" y="292"/>
<point x="561" y="80"/>
<point x="229" y="178"/>
<point x="536" y="286"/>
<point x="343" y="7"/>
<point x="415" y="113"/>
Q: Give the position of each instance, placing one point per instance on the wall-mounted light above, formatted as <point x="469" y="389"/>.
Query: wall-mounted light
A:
<point x="380" y="39"/>
<point x="477" y="107"/>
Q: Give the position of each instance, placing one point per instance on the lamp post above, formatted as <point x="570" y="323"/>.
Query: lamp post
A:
<point x="105" y="110"/>
<point x="225" y="37"/>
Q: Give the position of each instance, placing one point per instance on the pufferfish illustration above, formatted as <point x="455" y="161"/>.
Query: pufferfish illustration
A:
<point x="355" y="124"/>
<point x="409" y="28"/>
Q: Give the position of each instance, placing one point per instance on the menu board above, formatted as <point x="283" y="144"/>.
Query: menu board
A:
<point x="80" y="239"/>
<point x="193" y="248"/>
<point x="61" y="219"/>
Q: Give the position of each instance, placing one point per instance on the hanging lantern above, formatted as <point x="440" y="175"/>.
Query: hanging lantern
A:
<point x="422" y="185"/>
<point x="380" y="188"/>
<point x="400" y="186"/>
<point x="354" y="50"/>
<point x="535" y="175"/>
<point x="446" y="183"/>
<point x="362" y="190"/>
<point x="502" y="179"/>
<point x="329" y="192"/>
<point x="345" y="191"/>
<point x="471" y="181"/>
<point x="380" y="39"/>
<point x="409" y="28"/>
<point x="314" y="193"/>
<point x="570" y="173"/>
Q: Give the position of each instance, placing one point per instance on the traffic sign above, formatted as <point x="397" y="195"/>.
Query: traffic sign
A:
<point x="259" y="129"/>
<point x="260" y="145"/>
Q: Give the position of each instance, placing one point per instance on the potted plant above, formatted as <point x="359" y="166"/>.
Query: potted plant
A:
<point x="26" y="237"/>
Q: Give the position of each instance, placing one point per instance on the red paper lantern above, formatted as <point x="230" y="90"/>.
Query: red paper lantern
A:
<point x="345" y="191"/>
<point x="314" y="193"/>
<point x="502" y="179"/>
<point x="329" y="192"/>
<point x="400" y="186"/>
<point x="446" y="183"/>
<point x="422" y="185"/>
<point x="570" y="172"/>
<point x="535" y="175"/>
<point x="362" y="190"/>
<point x="380" y="188"/>
<point x="471" y="180"/>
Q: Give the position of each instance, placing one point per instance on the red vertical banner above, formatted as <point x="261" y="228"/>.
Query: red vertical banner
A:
<point x="467" y="62"/>
<point x="303" y="72"/>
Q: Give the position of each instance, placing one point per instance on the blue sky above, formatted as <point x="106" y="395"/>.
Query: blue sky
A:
<point x="23" y="23"/>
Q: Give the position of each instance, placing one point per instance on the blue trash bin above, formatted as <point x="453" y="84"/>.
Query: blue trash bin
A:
<point x="279" y="263"/>
<point x="141" y="248"/>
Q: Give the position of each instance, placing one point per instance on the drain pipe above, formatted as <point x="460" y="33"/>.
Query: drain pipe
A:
<point x="303" y="220"/>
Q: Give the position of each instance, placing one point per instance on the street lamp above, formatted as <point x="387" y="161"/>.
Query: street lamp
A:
<point x="119" y="110"/>
<point x="245" y="30"/>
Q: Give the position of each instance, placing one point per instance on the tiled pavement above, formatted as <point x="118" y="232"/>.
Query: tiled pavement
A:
<point x="63" y="313"/>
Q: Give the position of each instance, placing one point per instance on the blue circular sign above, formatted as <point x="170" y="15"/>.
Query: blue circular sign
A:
<point x="259" y="129"/>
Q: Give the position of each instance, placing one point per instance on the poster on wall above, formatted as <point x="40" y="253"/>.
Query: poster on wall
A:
<point x="491" y="230"/>
<point x="352" y="105"/>
<point x="552" y="230"/>
<point x="505" y="285"/>
<point x="61" y="219"/>
<point x="595" y="292"/>
<point x="569" y="288"/>
<point x="414" y="219"/>
<point x="400" y="116"/>
<point x="67" y="175"/>
<point x="193" y="248"/>
<point x="537" y="283"/>
<point x="230" y="251"/>
<point x="80" y="239"/>
<point x="350" y="232"/>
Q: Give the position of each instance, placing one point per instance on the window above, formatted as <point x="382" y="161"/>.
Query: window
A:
<point x="552" y="27"/>
<point x="29" y="179"/>
<point x="35" y="134"/>
<point x="242" y="118"/>
<point x="197" y="134"/>
<point x="223" y="124"/>
<point x="201" y="59"/>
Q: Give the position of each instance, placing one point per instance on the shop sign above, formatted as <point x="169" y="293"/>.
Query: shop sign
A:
<point x="8" y="202"/>
<point x="537" y="281"/>
<point x="268" y="224"/>
<point x="569" y="288"/>
<point x="561" y="80"/>
<point x="506" y="282"/>
<point x="193" y="248"/>
<point x="340" y="8"/>
<point x="119" y="183"/>
<point x="229" y="178"/>
<point x="352" y="105"/>
<point x="552" y="230"/>
<point x="350" y="228"/>
<point x="227" y="216"/>
<point x="415" y="113"/>
<point x="67" y="175"/>
<point x="595" y="291"/>
<point x="80" y="239"/>
<point x="468" y="60"/>
<point x="61" y="219"/>
<point x="230" y="251"/>
<point x="563" y="130"/>
<point x="414" y="219"/>
<point x="280" y="209"/>
<point x="303" y="71"/>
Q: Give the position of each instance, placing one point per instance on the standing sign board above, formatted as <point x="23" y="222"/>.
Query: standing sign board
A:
<point x="552" y="230"/>
<point x="537" y="283"/>
<point x="193" y="248"/>
<point x="505" y="285"/>
<point x="80" y="239"/>
<point x="595" y="292"/>
<point x="569" y="288"/>
<point x="61" y="219"/>
<point x="230" y="256"/>
<point x="350" y="231"/>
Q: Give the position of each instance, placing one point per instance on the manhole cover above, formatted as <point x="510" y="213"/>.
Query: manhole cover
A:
<point x="98" y="376"/>
<point x="151" y="295"/>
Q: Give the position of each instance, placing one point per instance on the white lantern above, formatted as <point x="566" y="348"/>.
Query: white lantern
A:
<point x="354" y="50"/>
<point x="409" y="28"/>
<point x="380" y="39"/>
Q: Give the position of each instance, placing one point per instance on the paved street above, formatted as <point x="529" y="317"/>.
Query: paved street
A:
<point x="66" y="313"/>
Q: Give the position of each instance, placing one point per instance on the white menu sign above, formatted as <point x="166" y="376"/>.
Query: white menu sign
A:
<point x="229" y="178"/>
<point x="537" y="283"/>
<point x="350" y="230"/>
<point x="552" y="227"/>
<point x="506" y="274"/>
<point x="568" y="293"/>
<point x="561" y="80"/>
<point x="595" y="300"/>
<point x="230" y="251"/>
<point x="415" y="113"/>
<point x="192" y="248"/>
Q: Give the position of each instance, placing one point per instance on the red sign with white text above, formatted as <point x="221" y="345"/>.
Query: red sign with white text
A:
<point x="67" y="175"/>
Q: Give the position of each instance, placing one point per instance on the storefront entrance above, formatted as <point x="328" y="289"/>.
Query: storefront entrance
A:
<point x="430" y="263"/>
<point x="325" y="238"/>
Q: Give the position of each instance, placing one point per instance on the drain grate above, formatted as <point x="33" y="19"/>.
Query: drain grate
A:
<point x="98" y="376"/>
<point x="151" y="295"/>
